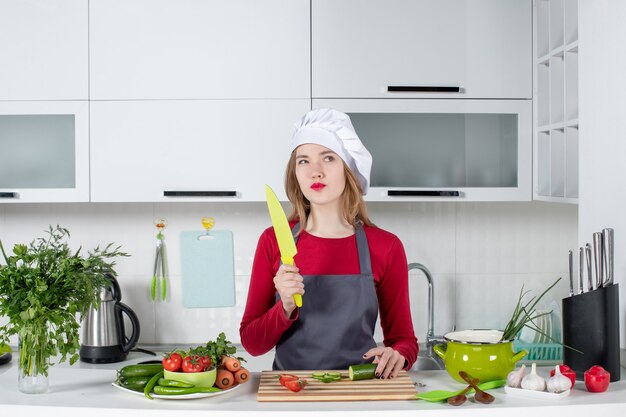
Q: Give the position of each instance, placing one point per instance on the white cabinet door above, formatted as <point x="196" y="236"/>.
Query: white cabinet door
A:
<point x="190" y="150"/>
<point x="43" y="50"/>
<point x="444" y="150"/>
<point x="44" y="151"/>
<point x="196" y="49"/>
<point x="481" y="47"/>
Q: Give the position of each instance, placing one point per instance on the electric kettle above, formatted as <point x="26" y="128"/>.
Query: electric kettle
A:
<point x="103" y="336"/>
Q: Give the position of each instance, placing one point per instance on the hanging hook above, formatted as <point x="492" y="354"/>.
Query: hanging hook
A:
<point x="207" y="224"/>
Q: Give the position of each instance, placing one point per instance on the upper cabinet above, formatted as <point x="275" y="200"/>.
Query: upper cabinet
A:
<point x="422" y="49"/>
<point x="190" y="150"/>
<point x="444" y="150"/>
<point x="44" y="151"/>
<point x="44" y="50"/>
<point x="199" y="49"/>
<point x="556" y="104"/>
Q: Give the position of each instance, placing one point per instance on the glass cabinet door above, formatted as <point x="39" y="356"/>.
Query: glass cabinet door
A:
<point x="477" y="150"/>
<point x="44" y="152"/>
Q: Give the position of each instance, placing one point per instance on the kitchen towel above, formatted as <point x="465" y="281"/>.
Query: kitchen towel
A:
<point x="207" y="268"/>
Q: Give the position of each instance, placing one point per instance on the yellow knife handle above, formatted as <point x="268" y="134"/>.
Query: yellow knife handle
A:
<point x="297" y="298"/>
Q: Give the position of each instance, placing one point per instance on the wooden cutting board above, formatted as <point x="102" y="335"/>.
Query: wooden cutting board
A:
<point x="398" y="388"/>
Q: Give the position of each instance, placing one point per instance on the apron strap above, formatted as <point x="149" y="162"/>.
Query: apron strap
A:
<point x="365" y="263"/>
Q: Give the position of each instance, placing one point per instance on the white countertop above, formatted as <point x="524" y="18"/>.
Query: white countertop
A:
<point x="86" y="390"/>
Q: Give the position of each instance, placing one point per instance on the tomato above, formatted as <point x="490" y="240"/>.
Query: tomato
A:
<point x="295" y="385"/>
<point x="284" y="378"/>
<point x="192" y="364"/>
<point x="205" y="361"/>
<point x="597" y="379"/>
<point x="568" y="372"/>
<point x="172" y="362"/>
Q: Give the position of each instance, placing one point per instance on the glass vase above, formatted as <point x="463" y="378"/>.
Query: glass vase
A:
<point x="32" y="374"/>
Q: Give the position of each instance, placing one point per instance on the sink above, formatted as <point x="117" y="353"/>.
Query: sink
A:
<point x="426" y="363"/>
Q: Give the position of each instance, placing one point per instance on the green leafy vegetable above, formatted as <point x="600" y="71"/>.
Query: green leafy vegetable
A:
<point x="45" y="289"/>
<point x="525" y="314"/>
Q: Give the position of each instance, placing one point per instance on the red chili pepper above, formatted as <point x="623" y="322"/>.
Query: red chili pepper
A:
<point x="597" y="379"/>
<point x="295" y="385"/>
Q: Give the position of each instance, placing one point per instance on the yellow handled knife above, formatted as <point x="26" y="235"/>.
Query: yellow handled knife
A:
<point x="283" y="233"/>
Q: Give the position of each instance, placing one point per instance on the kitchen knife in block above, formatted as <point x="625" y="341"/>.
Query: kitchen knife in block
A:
<point x="283" y="233"/>
<point x="207" y="269"/>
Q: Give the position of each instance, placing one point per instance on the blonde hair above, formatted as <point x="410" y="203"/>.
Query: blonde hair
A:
<point x="354" y="209"/>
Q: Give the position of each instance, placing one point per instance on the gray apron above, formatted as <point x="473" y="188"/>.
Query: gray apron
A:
<point x="335" y="324"/>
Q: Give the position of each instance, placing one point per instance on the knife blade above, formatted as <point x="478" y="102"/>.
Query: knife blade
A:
<point x="283" y="233"/>
<point x="581" y="269"/>
<point x="607" y="244"/>
<point x="597" y="254"/>
<point x="589" y="269"/>
<point x="571" y="273"/>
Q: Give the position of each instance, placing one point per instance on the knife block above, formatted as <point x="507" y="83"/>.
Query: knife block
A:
<point x="591" y="325"/>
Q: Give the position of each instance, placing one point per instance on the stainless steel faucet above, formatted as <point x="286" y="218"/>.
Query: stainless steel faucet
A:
<point x="431" y="339"/>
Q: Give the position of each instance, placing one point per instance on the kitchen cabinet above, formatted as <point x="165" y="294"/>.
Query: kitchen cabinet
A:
<point x="190" y="150"/>
<point x="451" y="150"/>
<point x="199" y="49"/>
<point x="44" y="148"/>
<point x="424" y="48"/>
<point x="44" y="50"/>
<point x="556" y="105"/>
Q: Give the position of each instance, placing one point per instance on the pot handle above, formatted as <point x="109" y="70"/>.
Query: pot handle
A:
<point x="134" y="337"/>
<point x="519" y="355"/>
<point x="440" y="350"/>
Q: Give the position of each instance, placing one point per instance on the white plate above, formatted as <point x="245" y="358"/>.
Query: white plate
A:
<point x="541" y="395"/>
<point x="179" y="397"/>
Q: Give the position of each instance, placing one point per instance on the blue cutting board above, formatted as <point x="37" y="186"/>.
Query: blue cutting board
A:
<point x="207" y="269"/>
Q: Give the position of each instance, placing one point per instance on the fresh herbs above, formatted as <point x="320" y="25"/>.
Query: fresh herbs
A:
<point x="525" y="314"/>
<point x="45" y="289"/>
<point x="220" y="347"/>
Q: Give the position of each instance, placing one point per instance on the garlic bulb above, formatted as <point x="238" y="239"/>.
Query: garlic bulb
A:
<point x="559" y="382"/>
<point x="534" y="382"/>
<point x="514" y="378"/>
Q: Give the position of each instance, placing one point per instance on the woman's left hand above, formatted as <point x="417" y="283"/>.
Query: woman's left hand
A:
<point x="389" y="361"/>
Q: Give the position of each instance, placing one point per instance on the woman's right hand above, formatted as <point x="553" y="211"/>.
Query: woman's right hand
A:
<point x="288" y="282"/>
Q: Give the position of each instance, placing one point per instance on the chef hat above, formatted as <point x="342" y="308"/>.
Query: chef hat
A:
<point x="333" y="129"/>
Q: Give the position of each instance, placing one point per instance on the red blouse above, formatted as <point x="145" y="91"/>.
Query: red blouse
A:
<point x="264" y="321"/>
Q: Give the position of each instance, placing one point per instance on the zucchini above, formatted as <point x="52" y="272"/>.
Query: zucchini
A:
<point x="363" y="371"/>
<point x="326" y="377"/>
<point x="130" y="371"/>
<point x="135" y="383"/>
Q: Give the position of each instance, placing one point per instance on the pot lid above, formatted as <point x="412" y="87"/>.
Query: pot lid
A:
<point x="479" y="336"/>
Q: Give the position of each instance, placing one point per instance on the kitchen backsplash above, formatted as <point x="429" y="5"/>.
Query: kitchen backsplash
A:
<point x="480" y="255"/>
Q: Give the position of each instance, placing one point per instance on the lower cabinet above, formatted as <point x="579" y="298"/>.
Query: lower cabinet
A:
<point x="190" y="150"/>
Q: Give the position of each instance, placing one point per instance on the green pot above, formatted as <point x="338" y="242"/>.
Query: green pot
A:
<point x="480" y="353"/>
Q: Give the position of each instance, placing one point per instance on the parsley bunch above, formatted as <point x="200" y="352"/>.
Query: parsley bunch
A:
<point x="45" y="290"/>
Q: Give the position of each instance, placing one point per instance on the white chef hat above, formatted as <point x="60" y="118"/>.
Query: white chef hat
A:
<point x="333" y="129"/>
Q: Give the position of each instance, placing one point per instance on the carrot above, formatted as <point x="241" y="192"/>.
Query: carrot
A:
<point x="231" y="363"/>
<point x="224" y="379"/>
<point x="242" y="375"/>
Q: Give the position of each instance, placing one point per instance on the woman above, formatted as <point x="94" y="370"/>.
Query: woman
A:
<point x="346" y="269"/>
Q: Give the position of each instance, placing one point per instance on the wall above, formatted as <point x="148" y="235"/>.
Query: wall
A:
<point x="602" y="85"/>
<point x="479" y="253"/>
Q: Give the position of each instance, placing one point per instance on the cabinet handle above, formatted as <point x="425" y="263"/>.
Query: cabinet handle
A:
<point x="422" y="89"/>
<point x="8" y="194"/>
<point x="422" y="193"/>
<point x="200" y="193"/>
